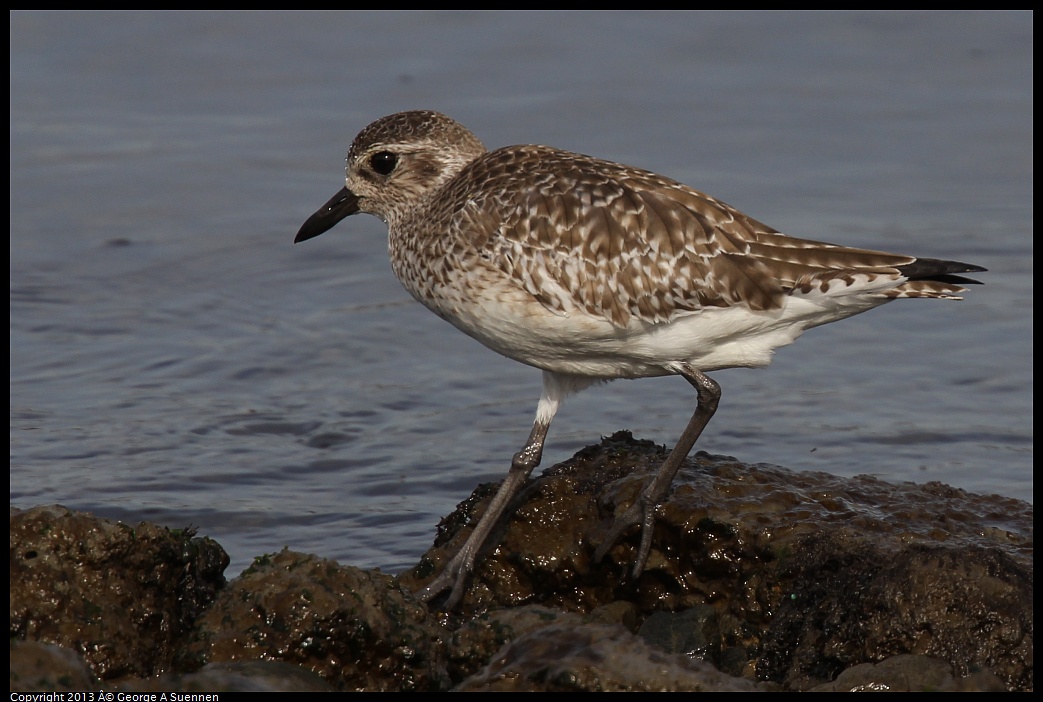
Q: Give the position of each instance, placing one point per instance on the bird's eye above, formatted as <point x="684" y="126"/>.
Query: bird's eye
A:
<point x="383" y="162"/>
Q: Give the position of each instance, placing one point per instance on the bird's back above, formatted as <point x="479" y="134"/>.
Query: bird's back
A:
<point x="585" y="236"/>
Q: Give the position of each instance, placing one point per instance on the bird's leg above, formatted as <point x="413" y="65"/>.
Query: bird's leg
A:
<point x="459" y="568"/>
<point x="644" y="508"/>
<point x="456" y="572"/>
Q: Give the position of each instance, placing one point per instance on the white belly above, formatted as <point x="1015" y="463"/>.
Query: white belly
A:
<point x="513" y="324"/>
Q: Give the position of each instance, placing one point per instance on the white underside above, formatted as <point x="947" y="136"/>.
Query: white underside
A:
<point x="579" y="344"/>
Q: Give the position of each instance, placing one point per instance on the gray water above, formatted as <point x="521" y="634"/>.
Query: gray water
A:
<point x="175" y="358"/>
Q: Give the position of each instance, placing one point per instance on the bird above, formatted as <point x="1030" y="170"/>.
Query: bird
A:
<point x="591" y="271"/>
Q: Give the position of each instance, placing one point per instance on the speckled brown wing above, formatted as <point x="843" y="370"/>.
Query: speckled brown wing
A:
<point x="624" y="244"/>
<point x="615" y="242"/>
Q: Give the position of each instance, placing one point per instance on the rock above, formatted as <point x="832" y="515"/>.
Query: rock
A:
<point x="909" y="673"/>
<point x="809" y="573"/>
<point x="240" y="676"/>
<point x="125" y="598"/>
<point x="760" y="579"/>
<point x="40" y="667"/>
<point x="355" y="628"/>
<point x="566" y="657"/>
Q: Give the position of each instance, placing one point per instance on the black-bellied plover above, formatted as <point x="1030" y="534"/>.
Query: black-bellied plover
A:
<point x="590" y="271"/>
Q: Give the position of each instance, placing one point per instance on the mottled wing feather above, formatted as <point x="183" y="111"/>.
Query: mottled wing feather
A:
<point x="588" y="234"/>
<point x="625" y="244"/>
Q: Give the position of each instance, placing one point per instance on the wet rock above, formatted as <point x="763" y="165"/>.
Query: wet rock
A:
<point x="476" y="641"/>
<point x="40" y="667"/>
<point x="240" y="676"/>
<point x="566" y="657"/>
<point x="355" y="628"/>
<point x="852" y="603"/>
<point x="909" y="673"/>
<point x="126" y="598"/>
<point x="695" y="632"/>
<point x="760" y="579"/>
<point x="809" y="573"/>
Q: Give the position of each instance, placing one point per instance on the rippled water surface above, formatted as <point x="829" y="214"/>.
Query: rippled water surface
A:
<point x="175" y="358"/>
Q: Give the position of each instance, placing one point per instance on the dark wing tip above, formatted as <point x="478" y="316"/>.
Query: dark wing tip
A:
<point x="941" y="271"/>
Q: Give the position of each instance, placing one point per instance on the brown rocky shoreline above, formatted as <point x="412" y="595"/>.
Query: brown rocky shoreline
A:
<point x="761" y="579"/>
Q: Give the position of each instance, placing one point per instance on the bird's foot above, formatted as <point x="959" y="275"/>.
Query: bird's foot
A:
<point x="453" y="577"/>
<point x="641" y="512"/>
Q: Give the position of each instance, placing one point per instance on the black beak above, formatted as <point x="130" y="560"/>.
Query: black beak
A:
<point x="341" y="205"/>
